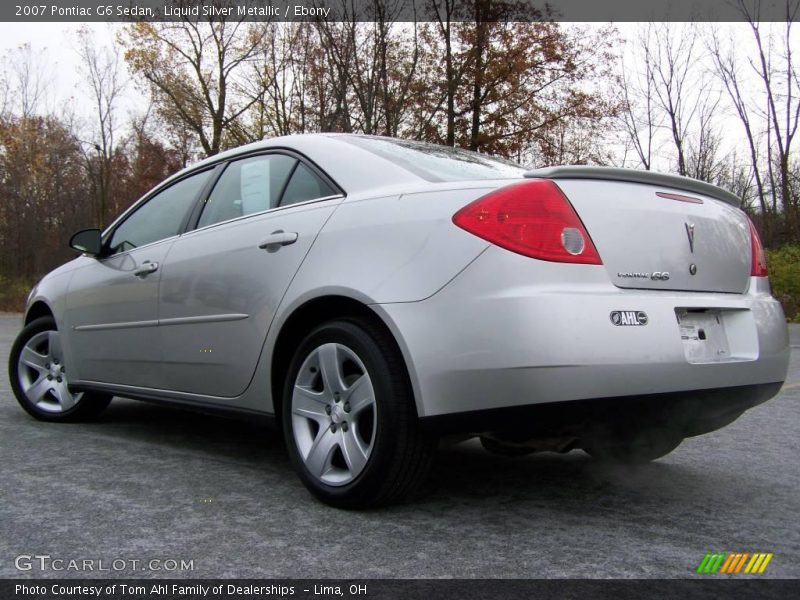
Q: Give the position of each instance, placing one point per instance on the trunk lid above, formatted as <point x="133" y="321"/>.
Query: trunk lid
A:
<point x="662" y="237"/>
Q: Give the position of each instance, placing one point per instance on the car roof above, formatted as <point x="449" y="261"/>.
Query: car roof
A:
<point x="353" y="168"/>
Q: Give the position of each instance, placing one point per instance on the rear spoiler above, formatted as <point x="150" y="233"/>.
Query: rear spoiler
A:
<point x="636" y="176"/>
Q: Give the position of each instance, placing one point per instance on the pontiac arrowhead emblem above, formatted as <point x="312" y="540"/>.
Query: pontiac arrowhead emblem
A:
<point x="690" y="235"/>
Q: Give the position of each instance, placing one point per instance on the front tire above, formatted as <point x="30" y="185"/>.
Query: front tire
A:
<point x="39" y="378"/>
<point x="351" y="430"/>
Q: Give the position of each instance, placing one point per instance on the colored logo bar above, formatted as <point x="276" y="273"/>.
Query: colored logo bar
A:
<point x="731" y="563"/>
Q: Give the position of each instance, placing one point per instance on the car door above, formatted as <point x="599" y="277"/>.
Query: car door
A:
<point x="111" y="310"/>
<point x="223" y="281"/>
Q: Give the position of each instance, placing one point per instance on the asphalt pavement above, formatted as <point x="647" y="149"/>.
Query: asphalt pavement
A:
<point x="151" y="483"/>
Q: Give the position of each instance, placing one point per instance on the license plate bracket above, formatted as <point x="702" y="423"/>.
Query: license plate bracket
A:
<point x="703" y="335"/>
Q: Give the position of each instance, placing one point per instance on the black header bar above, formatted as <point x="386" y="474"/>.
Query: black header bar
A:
<point x="404" y="589"/>
<point x="398" y="10"/>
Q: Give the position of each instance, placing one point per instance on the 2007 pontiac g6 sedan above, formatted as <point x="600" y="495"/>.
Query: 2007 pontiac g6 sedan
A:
<point x="374" y="294"/>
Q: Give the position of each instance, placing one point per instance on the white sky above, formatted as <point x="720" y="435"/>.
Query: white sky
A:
<point x="58" y="40"/>
<point x="57" y="43"/>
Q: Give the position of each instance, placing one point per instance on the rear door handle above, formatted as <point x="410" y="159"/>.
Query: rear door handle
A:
<point x="146" y="268"/>
<point x="277" y="239"/>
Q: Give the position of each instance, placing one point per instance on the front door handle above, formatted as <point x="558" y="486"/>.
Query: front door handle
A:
<point x="277" y="239"/>
<point x="146" y="268"/>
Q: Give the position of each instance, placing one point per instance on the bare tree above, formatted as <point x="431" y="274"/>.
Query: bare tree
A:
<point x="780" y="78"/>
<point x="374" y="66"/>
<point x="397" y="62"/>
<point x="28" y="77"/>
<point x="274" y="82"/>
<point x="738" y="176"/>
<point x="103" y="72"/>
<point x="446" y="12"/>
<point x="5" y="92"/>
<point x="764" y="90"/>
<point x="193" y="66"/>
<point x="385" y="64"/>
<point x="727" y="68"/>
<point x="704" y="158"/>
<point x="146" y="159"/>
<point x="679" y="86"/>
<point x="638" y="115"/>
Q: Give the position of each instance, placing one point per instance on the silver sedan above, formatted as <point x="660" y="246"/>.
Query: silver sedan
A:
<point x="372" y="295"/>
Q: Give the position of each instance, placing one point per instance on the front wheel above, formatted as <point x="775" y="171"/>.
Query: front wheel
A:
<point x="348" y="417"/>
<point x="39" y="377"/>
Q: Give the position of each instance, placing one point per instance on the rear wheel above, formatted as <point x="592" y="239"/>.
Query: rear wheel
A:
<point x="348" y="415"/>
<point x="39" y="377"/>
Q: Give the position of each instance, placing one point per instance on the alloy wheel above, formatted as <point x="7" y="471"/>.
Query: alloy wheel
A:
<point x="334" y="414"/>
<point x="42" y="375"/>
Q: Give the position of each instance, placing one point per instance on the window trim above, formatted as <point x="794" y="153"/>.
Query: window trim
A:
<point x="280" y="203"/>
<point x="286" y="183"/>
<point x="194" y="219"/>
<point x="189" y="223"/>
<point x="108" y="234"/>
<point x="263" y="212"/>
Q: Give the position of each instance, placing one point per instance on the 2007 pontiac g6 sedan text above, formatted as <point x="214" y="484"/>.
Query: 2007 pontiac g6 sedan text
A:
<point x="373" y="295"/>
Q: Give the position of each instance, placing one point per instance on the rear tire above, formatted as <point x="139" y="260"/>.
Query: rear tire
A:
<point x="39" y="379"/>
<point x="349" y="421"/>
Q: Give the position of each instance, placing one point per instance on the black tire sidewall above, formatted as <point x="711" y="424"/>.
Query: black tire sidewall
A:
<point x="392" y="400"/>
<point x="89" y="404"/>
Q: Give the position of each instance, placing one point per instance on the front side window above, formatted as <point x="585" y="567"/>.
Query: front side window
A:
<point x="247" y="186"/>
<point x="160" y="217"/>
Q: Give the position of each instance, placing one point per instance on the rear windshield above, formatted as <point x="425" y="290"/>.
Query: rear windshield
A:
<point x="438" y="163"/>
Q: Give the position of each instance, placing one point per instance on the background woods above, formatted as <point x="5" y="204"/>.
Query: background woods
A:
<point x="718" y="103"/>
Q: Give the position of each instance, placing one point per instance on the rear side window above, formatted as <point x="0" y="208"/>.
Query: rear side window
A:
<point x="247" y="186"/>
<point x="160" y="217"/>
<point x="305" y="185"/>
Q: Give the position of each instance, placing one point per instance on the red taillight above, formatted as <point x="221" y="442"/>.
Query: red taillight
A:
<point x="532" y="218"/>
<point x="758" y="263"/>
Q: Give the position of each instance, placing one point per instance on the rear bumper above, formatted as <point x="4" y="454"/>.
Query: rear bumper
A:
<point x="684" y="413"/>
<point x="510" y="331"/>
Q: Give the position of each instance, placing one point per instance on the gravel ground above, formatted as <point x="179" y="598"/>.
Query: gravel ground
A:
<point x="148" y="482"/>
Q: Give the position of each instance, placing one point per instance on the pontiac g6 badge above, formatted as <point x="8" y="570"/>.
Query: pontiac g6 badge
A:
<point x="655" y="275"/>
<point x="628" y="317"/>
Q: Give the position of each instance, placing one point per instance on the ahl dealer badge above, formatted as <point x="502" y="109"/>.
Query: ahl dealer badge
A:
<point x="628" y="317"/>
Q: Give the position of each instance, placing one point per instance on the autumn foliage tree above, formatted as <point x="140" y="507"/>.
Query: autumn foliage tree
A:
<point x="479" y="74"/>
<point x="44" y="192"/>
<point x="474" y="77"/>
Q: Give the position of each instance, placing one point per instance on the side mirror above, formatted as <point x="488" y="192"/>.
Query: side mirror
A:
<point x="87" y="241"/>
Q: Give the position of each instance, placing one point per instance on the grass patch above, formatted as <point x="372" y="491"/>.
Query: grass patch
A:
<point x="784" y="275"/>
<point x="13" y="293"/>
